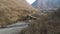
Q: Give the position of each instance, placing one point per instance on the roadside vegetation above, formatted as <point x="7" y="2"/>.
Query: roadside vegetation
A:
<point x="47" y="24"/>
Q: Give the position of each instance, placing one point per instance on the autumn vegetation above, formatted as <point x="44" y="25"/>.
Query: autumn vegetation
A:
<point x="47" y="24"/>
<point x="12" y="11"/>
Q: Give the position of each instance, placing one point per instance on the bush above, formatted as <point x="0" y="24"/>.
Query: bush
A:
<point x="49" y="24"/>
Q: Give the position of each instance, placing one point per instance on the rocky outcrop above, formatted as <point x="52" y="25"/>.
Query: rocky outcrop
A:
<point x="14" y="10"/>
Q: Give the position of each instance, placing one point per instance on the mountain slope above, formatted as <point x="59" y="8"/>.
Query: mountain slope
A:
<point x="46" y="4"/>
<point x="14" y="10"/>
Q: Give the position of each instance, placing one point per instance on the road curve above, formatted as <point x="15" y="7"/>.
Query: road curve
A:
<point x="14" y="28"/>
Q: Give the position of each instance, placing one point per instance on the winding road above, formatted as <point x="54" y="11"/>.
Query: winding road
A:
<point x="14" y="28"/>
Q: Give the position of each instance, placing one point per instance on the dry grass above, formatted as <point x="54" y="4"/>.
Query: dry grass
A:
<point x="14" y="10"/>
<point x="49" y="24"/>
